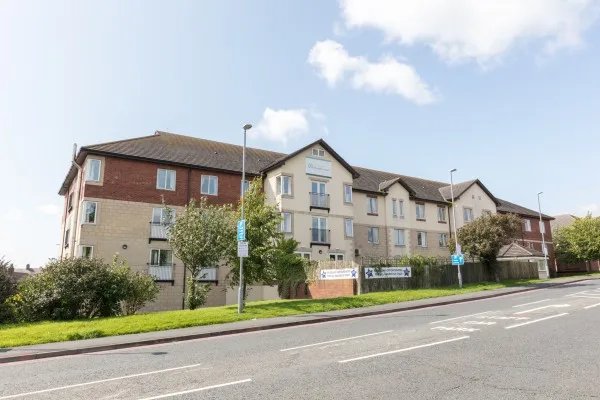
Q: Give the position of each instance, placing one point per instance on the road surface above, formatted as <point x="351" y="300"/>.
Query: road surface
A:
<point x="536" y="345"/>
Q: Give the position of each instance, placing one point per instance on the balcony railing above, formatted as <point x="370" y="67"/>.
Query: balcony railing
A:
<point x="320" y="237"/>
<point x="161" y="272"/>
<point x="319" y="200"/>
<point x="208" y="274"/>
<point x="158" y="231"/>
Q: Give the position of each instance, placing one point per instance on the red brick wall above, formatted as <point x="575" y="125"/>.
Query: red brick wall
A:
<point x="133" y="180"/>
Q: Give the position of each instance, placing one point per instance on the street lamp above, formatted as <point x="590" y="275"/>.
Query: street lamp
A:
<point x="542" y="231"/>
<point x="246" y="128"/>
<point x="460" y="283"/>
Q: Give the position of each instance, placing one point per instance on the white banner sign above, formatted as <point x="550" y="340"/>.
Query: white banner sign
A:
<point x="345" y="273"/>
<point x="388" y="272"/>
<point x="318" y="167"/>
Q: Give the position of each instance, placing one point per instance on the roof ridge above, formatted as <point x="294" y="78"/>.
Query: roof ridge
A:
<point x="118" y="141"/>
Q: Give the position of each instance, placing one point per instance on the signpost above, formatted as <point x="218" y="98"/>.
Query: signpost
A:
<point x="242" y="249"/>
<point x="458" y="259"/>
<point x="241" y="230"/>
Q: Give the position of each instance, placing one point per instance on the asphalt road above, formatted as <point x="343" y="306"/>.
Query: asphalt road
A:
<point x="536" y="345"/>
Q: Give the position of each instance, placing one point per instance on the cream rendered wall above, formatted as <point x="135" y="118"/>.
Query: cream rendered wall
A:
<point x="399" y="193"/>
<point x="299" y="204"/>
<point x="363" y="221"/>
<point x="475" y="198"/>
<point x="431" y="226"/>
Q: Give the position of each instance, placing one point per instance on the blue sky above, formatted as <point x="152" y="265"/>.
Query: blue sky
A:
<point x="506" y="93"/>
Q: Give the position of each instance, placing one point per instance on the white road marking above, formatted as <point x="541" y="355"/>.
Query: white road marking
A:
<point x="480" y="323"/>
<point x="543" y="308"/>
<point x="455" y="329"/>
<point x="403" y="350"/>
<point x="464" y="316"/>
<point x="592" y="306"/>
<point x="586" y="297"/>
<point x="503" y="318"/>
<point x="533" y="302"/>
<point x="335" y="341"/>
<point x="536" y="320"/>
<point x="197" y="390"/>
<point x="12" y="396"/>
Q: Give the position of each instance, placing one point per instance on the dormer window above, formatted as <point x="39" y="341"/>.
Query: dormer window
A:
<point x="316" y="152"/>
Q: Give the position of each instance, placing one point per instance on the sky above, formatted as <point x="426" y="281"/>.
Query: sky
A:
<point x="507" y="92"/>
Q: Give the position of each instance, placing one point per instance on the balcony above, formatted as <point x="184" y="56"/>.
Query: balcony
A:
<point x="320" y="237"/>
<point x="208" y="275"/>
<point x="158" y="231"/>
<point x="319" y="201"/>
<point x="161" y="273"/>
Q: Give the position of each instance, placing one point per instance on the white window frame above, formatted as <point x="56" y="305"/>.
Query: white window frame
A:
<point x="86" y="246"/>
<point x="347" y="194"/>
<point x="89" y="170"/>
<point x="348" y="227"/>
<point x="279" y="181"/>
<point x="166" y="179"/>
<point x="400" y="208"/>
<point x="209" y="179"/>
<point x="443" y="242"/>
<point x="420" y="206"/>
<point x="316" y="152"/>
<point x="371" y="232"/>
<point x="442" y="209"/>
<point x="84" y="213"/>
<point x="527" y="225"/>
<point x="394" y="208"/>
<point x="303" y="254"/>
<point x="283" y="222"/>
<point x="163" y="216"/>
<point x="372" y="205"/>
<point x="336" y="256"/>
<point x="470" y="213"/>
<point x="159" y="251"/>
<point x="399" y="233"/>
<point x="423" y="238"/>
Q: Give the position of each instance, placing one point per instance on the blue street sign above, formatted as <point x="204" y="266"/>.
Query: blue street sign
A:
<point x="458" y="259"/>
<point x="241" y="230"/>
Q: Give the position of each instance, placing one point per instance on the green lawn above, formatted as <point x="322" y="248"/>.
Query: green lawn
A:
<point x="47" y="332"/>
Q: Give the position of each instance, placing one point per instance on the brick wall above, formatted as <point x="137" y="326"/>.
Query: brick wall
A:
<point x="326" y="289"/>
<point x="133" y="180"/>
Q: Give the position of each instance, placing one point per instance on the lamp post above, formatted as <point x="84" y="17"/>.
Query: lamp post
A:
<point x="542" y="231"/>
<point x="460" y="283"/>
<point x="241" y="288"/>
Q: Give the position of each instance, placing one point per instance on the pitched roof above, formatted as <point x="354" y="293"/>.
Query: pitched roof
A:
<point x="515" y="250"/>
<point x="371" y="180"/>
<point x="512" y="208"/>
<point x="281" y="160"/>
<point x="562" y="221"/>
<point x="461" y="187"/>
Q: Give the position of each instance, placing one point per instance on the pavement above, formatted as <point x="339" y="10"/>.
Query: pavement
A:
<point x="539" y="344"/>
<point x="143" y="339"/>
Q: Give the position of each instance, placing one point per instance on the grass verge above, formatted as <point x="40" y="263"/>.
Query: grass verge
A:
<point x="48" y="332"/>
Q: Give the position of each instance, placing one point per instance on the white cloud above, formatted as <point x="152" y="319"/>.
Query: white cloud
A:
<point x="282" y="125"/>
<point x="481" y="30"/>
<point x="388" y="75"/>
<point x="49" y="209"/>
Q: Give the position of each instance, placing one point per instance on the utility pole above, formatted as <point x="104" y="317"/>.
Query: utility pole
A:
<point x="542" y="231"/>
<point x="460" y="282"/>
<point x="241" y="293"/>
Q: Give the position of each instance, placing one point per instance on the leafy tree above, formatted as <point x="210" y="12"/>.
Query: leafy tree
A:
<point x="580" y="241"/>
<point x="80" y="288"/>
<point x="201" y="237"/>
<point x="8" y="288"/>
<point x="484" y="237"/>
<point x="262" y="233"/>
<point x="291" y="270"/>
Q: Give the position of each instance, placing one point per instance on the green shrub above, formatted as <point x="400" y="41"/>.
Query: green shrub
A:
<point x="8" y="288"/>
<point x="81" y="288"/>
<point x="196" y="294"/>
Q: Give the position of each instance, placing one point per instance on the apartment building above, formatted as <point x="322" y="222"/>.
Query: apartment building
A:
<point x="530" y="236"/>
<point x="115" y="194"/>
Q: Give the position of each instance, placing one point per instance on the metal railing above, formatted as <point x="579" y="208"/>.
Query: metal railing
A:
<point x="319" y="200"/>
<point x="158" y="230"/>
<point x="161" y="272"/>
<point x="319" y="235"/>
<point x="207" y="274"/>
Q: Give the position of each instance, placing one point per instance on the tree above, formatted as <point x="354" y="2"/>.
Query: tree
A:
<point x="484" y="237"/>
<point x="580" y="241"/>
<point x="290" y="269"/>
<point x="139" y="289"/>
<point x="262" y="233"/>
<point x="200" y="237"/>
<point x="8" y="287"/>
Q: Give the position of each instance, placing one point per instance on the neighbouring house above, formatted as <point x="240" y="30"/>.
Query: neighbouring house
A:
<point x="115" y="194"/>
<point x="532" y="231"/>
<point x="561" y="221"/>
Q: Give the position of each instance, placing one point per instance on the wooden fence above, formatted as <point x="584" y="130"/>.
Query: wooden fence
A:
<point x="446" y="275"/>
